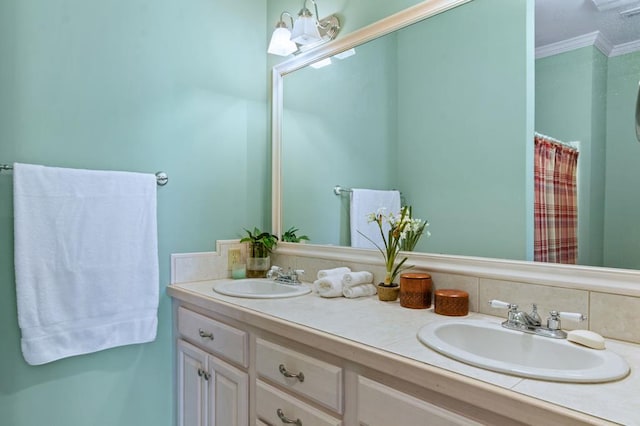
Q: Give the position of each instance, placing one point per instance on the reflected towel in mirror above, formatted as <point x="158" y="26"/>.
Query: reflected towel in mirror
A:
<point x="364" y="202"/>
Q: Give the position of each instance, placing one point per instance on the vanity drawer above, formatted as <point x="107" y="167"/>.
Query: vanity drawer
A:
<point x="214" y="336"/>
<point x="317" y="380"/>
<point x="275" y="407"/>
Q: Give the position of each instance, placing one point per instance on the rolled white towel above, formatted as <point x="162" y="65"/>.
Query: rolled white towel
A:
<point x="329" y="286"/>
<point x="335" y="271"/>
<point x="354" y="278"/>
<point x="359" y="290"/>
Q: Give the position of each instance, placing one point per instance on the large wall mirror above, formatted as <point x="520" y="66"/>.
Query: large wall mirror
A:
<point x="440" y="103"/>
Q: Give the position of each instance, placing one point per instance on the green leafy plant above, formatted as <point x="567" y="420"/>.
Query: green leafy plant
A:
<point x="260" y="243"/>
<point x="290" y="236"/>
<point x="413" y="231"/>
<point x="399" y="225"/>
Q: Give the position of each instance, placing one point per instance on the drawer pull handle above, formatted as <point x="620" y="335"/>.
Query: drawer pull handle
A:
<point x="287" y="420"/>
<point x="205" y="335"/>
<point x="285" y="373"/>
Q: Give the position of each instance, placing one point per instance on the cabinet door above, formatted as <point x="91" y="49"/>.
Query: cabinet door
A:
<point x="228" y="394"/>
<point x="380" y="405"/>
<point x="191" y="387"/>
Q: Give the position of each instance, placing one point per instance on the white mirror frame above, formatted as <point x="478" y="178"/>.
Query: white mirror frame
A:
<point x="608" y="280"/>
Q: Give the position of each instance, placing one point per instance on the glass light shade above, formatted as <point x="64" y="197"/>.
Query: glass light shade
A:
<point x="305" y="30"/>
<point x="281" y="43"/>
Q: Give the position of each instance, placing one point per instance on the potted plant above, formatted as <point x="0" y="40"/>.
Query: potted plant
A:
<point x="290" y="236"/>
<point x="260" y="246"/>
<point x="399" y="224"/>
<point x="414" y="230"/>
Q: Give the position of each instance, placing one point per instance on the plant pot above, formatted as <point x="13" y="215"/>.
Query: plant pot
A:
<point x="388" y="294"/>
<point x="257" y="267"/>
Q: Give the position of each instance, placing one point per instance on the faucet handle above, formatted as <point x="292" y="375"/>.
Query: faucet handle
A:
<point x="553" y="322"/>
<point x="572" y="316"/>
<point x="502" y="305"/>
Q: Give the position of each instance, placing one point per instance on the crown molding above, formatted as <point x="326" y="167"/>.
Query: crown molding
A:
<point x="602" y="5"/>
<point x="624" y="48"/>
<point x="567" y="45"/>
<point x="591" y="39"/>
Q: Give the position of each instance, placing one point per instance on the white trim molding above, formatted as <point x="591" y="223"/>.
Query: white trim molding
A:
<point x="595" y="38"/>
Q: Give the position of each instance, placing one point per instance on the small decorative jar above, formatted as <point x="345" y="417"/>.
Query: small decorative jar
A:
<point x="453" y="303"/>
<point x="415" y="290"/>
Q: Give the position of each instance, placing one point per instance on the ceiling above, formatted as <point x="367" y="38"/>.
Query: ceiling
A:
<point x="565" y="21"/>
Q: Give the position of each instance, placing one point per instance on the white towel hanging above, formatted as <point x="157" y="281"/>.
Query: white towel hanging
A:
<point x="363" y="202"/>
<point x="86" y="260"/>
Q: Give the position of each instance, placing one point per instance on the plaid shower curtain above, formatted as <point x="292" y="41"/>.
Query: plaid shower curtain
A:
<point x="556" y="203"/>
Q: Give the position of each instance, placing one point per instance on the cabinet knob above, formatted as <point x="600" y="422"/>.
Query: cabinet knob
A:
<point x="203" y="374"/>
<point x="287" y="420"/>
<point x="286" y="373"/>
<point x="204" y="334"/>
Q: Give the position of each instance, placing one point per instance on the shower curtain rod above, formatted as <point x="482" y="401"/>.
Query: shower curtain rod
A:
<point x="550" y="139"/>
<point x="161" y="177"/>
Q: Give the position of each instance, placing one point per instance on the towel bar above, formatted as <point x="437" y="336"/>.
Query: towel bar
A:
<point x="161" y="177"/>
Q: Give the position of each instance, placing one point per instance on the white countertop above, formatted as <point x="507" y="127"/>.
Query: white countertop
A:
<point x="390" y="327"/>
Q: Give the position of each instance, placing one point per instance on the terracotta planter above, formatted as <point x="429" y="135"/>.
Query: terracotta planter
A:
<point x="388" y="294"/>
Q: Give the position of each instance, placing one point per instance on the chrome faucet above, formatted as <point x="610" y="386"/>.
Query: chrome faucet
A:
<point x="291" y="276"/>
<point x="531" y="323"/>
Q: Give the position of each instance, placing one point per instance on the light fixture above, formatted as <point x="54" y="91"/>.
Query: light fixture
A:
<point x="321" y="63"/>
<point x="281" y="43"/>
<point x="307" y="31"/>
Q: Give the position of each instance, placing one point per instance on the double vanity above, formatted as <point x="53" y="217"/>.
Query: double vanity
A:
<point x="306" y="360"/>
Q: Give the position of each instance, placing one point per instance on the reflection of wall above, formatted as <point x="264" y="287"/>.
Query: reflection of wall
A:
<point x="142" y="86"/>
<point x="622" y="208"/>
<point x="459" y="80"/>
<point x="337" y="130"/>
<point x="462" y="128"/>
<point x="570" y="105"/>
<point x="582" y="95"/>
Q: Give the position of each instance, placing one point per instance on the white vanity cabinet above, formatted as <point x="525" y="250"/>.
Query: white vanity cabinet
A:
<point x="211" y="391"/>
<point x="277" y="381"/>
<point x="241" y="365"/>
<point x="381" y="405"/>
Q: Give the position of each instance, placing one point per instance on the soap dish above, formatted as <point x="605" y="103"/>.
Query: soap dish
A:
<point x="586" y="338"/>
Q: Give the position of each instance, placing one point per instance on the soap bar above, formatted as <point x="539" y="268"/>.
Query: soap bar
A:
<point x="586" y="338"/>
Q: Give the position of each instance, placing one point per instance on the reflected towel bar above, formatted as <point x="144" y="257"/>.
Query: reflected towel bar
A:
<point x="161" y="177"/>
<point x="338" y="190"/>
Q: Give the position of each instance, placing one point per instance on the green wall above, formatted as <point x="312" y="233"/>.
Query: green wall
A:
<point x="337" y="129"/>
<point x="140" y="86"/>
<point x="450" y="82"/>
<point x="462" y="121"/>
<point x="622" y="229"/>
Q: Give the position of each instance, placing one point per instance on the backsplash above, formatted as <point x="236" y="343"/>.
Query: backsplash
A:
<point x="609" y="313"/>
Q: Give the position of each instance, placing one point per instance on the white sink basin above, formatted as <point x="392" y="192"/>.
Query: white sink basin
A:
<point x="256" y="288"/>
<point x="488" y="345"/>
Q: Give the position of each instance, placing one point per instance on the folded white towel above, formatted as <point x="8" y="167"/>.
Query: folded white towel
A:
<point x="359" y="290"/>
<point x="86" y="260"/>
<point x="354" y="278"/>
<point x="335" y="271"/>
<point x="329" y="286"/>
